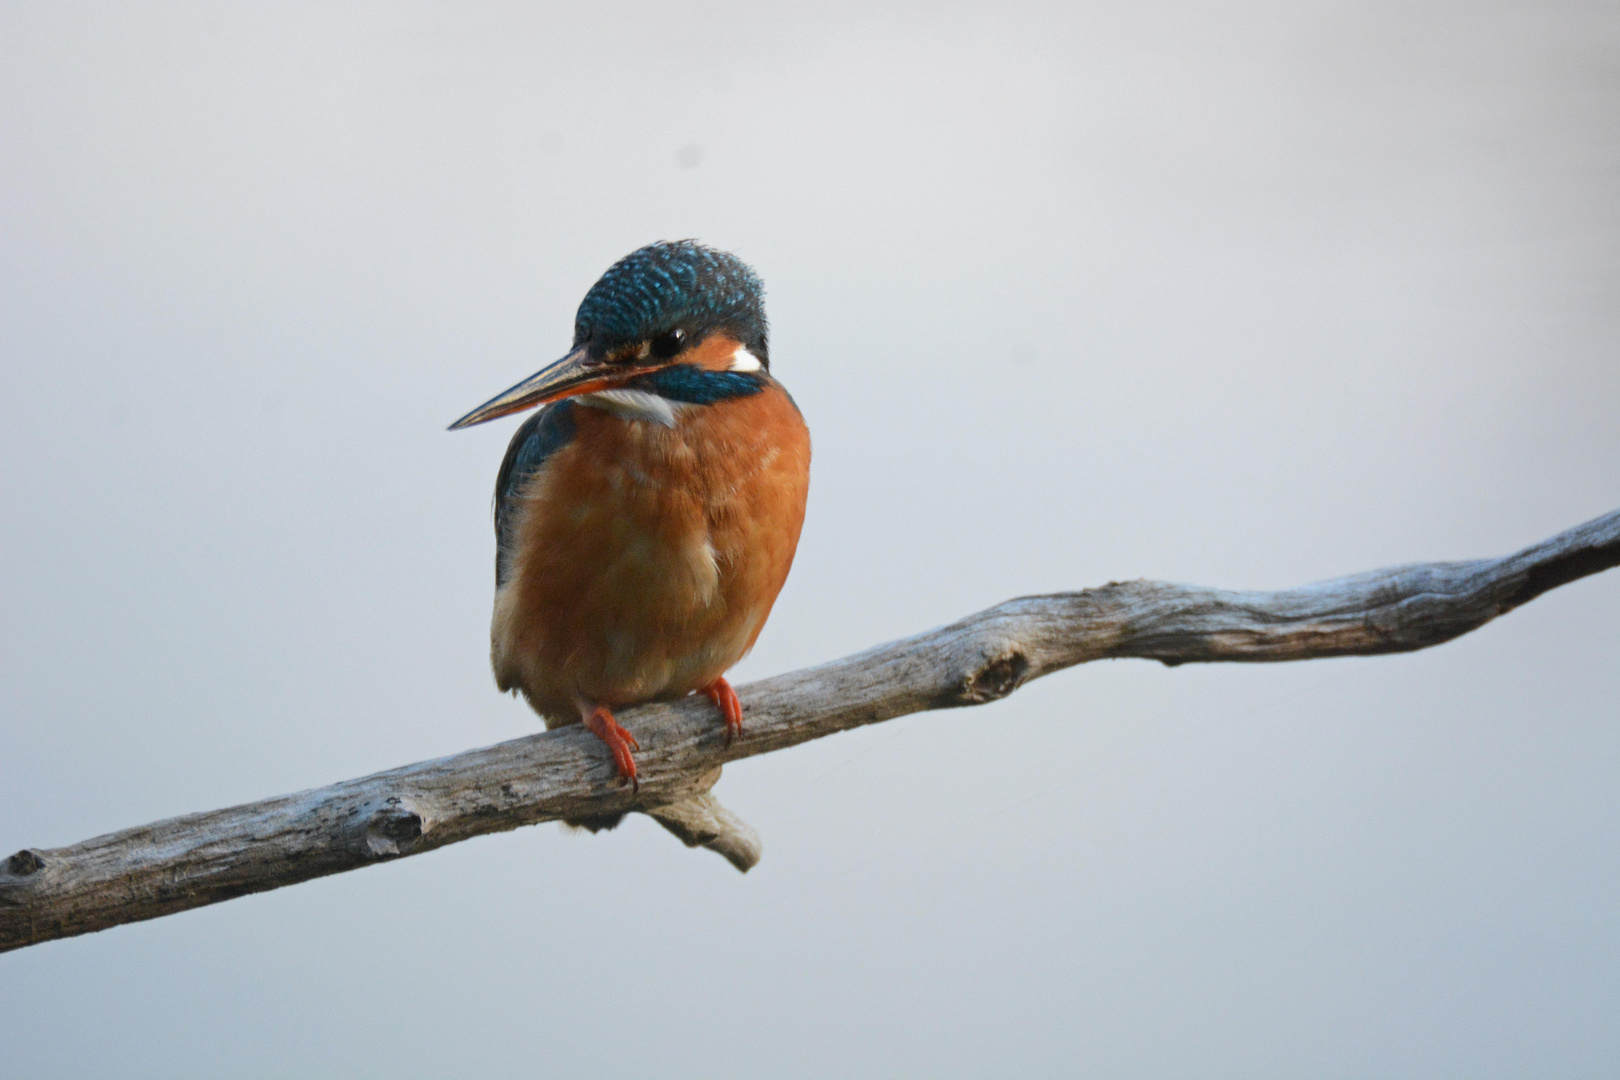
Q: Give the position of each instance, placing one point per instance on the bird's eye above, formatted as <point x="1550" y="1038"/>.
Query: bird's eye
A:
<point x="667" y="346"/>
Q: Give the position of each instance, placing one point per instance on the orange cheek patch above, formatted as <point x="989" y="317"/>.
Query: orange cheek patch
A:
<point x="714" y="353"/>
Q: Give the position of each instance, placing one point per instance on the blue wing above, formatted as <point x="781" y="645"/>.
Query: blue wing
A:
<point x="543" y="434"/>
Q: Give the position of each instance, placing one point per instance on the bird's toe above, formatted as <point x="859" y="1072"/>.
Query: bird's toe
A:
<point x="725" y="699"/>
<point x="599" y="722"/>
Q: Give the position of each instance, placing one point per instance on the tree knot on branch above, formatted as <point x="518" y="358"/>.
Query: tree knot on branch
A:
<point x="998" y="674"/>
<point x="386" y="829"/>
<point x="25" y="863"/>
<point x="20" y="877"/>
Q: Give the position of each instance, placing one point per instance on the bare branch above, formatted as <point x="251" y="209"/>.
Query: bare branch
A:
<point x="201" y="859"/>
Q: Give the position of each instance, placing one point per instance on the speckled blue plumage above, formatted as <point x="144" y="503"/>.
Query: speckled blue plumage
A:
<point x="673" y="284"/>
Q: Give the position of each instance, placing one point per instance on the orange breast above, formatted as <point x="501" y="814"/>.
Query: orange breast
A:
<point x="647" y="558"/>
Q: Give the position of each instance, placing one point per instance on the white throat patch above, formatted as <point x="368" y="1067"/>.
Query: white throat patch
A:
<point x="634" y="405"/>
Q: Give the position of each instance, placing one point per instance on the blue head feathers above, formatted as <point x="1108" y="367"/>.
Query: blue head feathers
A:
<point x="673" y="285"/>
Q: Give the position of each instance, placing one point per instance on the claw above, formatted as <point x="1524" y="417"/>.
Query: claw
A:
<point x="599" y="722"/>
<point x="725" y="699"/>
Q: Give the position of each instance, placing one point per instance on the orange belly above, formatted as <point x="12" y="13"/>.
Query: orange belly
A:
<point x="646" y="558"/>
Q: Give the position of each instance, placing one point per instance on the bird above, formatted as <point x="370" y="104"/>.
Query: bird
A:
<point x="647" y="515"/>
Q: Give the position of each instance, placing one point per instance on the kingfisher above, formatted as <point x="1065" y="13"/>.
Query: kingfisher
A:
<point x="647" y="515"/>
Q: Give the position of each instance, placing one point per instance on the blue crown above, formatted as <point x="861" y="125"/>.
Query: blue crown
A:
<point x="670" y="285"/>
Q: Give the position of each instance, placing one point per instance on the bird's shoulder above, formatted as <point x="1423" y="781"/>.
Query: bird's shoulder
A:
<point x="550" y="429"/>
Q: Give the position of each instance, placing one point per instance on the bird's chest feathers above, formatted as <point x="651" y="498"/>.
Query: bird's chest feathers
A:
<point x="654" y="504"/>
<point x="651" y="554"/>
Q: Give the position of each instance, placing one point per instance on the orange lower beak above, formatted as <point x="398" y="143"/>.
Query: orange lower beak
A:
<point x="574" y="374"/>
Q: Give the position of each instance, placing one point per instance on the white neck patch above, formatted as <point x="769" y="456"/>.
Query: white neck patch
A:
<point x="634" y="405"/>
<point x="641" y="405"/>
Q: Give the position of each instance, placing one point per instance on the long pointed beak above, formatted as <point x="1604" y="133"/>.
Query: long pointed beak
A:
<point x="573" y="374"/>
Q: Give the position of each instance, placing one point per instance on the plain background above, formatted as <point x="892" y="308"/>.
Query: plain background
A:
<point x="1239" y="294"/>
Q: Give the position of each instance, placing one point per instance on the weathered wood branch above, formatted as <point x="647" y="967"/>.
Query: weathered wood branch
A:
<point x="199" y="859"/>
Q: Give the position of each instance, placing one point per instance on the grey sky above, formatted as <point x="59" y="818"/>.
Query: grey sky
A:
<point x="1239" y="294"/>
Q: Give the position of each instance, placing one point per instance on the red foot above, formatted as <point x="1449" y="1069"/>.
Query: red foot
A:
<point x="725" y="699"/>
<point x="599" y="722"/>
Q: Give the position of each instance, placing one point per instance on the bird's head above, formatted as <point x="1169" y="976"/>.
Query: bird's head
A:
<point x="667" y="304"/>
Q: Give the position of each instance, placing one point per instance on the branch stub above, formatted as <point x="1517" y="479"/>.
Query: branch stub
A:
<point x="25" y="863"/>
